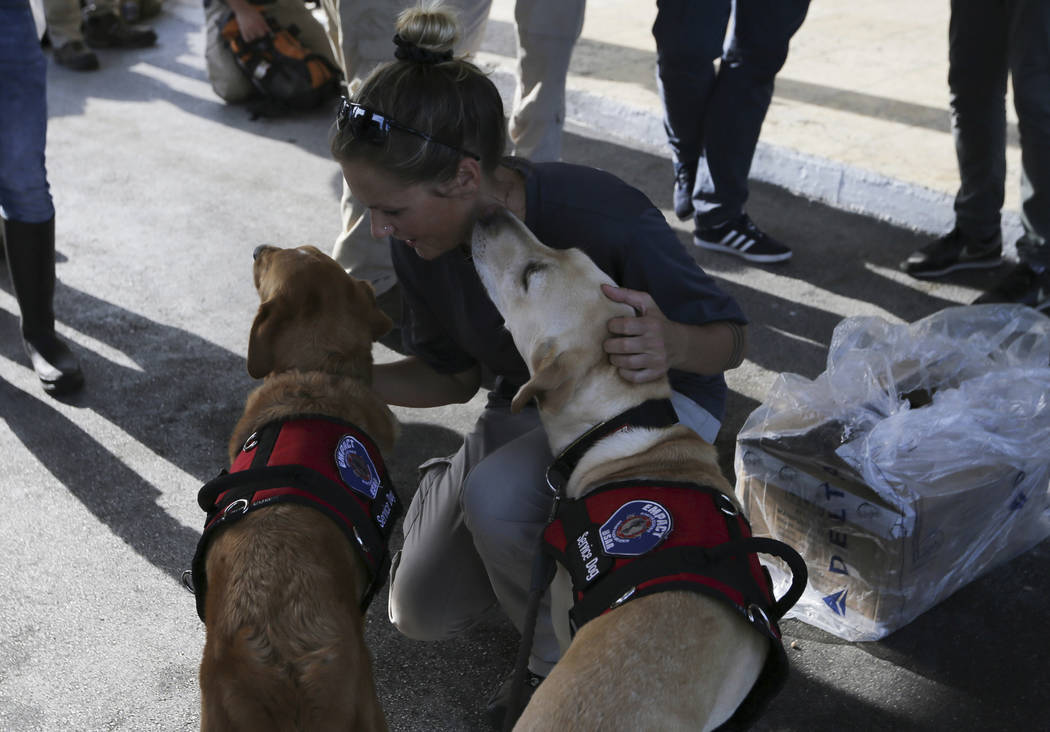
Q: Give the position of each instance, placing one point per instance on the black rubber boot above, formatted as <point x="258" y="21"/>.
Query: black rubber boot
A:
<point x="31" y="260"/>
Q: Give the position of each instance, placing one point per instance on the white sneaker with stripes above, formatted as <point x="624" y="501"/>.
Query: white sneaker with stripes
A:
<point x="743" y="239"/>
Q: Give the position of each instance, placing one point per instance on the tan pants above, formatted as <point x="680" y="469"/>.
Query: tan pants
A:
<point x="471" y="533"/>
<point x="227" y="79"/>
<point x="547" y="32"/>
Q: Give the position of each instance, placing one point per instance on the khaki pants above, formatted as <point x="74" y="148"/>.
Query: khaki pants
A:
<point x="547" y="32"/>
<point x="471" y="532"/>
<point x="226" y="77"/>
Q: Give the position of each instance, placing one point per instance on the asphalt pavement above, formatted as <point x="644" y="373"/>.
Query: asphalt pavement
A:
<point x="162" y="193"/>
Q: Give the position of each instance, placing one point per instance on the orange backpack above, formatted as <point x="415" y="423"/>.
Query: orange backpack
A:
<point x="287" y="75"/>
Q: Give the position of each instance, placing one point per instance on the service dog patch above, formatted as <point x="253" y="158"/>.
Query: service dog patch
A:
<point x="635" y="528"/>
<point x="356" y="467"/>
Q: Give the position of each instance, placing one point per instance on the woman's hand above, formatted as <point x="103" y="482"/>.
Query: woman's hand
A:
<point x="250" y="21"/>
<point x="641" y="346"/>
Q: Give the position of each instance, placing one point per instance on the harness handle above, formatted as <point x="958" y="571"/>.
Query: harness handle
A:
<point x="795" y="562"/>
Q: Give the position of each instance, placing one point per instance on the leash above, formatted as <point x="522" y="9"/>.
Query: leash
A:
<point x="542" y="574"/>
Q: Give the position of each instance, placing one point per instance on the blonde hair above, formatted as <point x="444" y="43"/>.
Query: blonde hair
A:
<point x="430" y="90"/>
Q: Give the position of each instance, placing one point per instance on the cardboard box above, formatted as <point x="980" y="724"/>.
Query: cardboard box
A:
<point x="879" y="558"/>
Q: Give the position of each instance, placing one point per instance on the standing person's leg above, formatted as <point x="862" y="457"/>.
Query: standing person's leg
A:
<point x="1028" y="54"/>
<point x="63" y="18"/>
<point x="755" y="53"/>
<point x="63" y="21"/>
<point x="363" y="30"/>
<point x="547" y="32"/>
<point x="439" y="583"/>
<point x="25" y="199"/>
<point x="977" y="74"/>
<point x="1029" y="59"/>
<point x="689" y="35"/>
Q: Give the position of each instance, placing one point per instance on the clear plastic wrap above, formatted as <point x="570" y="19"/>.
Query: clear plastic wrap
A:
<point x="918" y="460"/>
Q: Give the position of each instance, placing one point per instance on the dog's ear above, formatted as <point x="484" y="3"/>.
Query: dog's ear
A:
<point x="262" y="338"/>
<point x="381" y="323"/>
<point x="553" y="379"/>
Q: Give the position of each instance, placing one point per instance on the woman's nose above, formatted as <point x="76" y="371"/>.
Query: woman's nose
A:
<point x="380" y="229"/>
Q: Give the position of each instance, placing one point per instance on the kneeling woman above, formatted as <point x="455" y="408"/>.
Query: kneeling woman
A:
<point x="422" y="145"/>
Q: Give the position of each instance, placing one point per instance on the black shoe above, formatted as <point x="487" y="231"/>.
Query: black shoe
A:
<point x="54" y="364"/>
<point x="106" y="29"/>
<point x="75" y="55"/>
<point x="742" y="239"/>
<point x="498" y="705"/>
<point x="955" y="250"/>
<point x="1022" y="285"/>
<point x="684" y="180"/>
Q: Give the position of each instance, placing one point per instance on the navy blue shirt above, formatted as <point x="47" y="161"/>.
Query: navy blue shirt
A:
<point x="449" y="322"/>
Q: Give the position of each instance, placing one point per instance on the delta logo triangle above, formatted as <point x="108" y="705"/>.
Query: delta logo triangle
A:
<point x="837" y="602"/>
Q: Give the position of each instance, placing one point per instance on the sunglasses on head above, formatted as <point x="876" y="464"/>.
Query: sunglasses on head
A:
<point x="375" y="128"/>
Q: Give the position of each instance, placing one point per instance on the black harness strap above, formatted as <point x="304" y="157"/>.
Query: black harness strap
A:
<point x="651" y="413"/>
<point x="366" y="521"/>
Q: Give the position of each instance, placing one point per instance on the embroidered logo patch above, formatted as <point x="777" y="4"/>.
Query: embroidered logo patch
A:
<point x="635" y="528"/>
<point x="356" y="467"/>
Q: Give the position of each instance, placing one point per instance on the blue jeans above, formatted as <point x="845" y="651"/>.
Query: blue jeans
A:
<point x="24" y="192"/>
<point x="987" y="42"/>
<point x="714" y="118"/>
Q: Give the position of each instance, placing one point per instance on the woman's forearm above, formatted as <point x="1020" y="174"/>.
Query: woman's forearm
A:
<point x="412" y="383"/>
<point x="707" y="349"/>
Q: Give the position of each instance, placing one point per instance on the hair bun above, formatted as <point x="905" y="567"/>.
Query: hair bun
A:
<point x="409" y="51"/>
<point x="427" y="33"/>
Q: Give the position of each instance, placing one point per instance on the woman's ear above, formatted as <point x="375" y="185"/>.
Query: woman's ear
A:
<point x="466" y="182"/>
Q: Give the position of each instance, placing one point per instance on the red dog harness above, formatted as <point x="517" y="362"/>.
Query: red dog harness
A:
<point x="630" y="539"/>
<point x="314" y="461"/>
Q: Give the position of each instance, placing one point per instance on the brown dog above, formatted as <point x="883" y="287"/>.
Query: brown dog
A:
<point x="285" y="647"/>
<point x="674" y="660"/>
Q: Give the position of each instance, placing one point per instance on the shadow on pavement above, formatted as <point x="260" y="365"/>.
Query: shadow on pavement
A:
<point x="116" y="495"/>
<point x="181" y="403"/>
